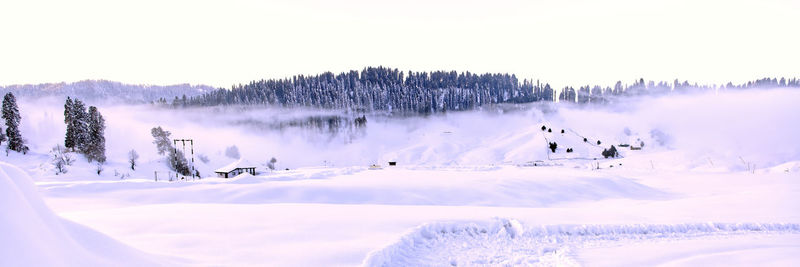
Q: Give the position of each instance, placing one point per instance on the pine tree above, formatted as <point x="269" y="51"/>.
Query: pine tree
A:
<point x="96" y="143"/>
<point x="69" y="118"/>
<point x="12" y="117"/>
<point x="80" y="125"/>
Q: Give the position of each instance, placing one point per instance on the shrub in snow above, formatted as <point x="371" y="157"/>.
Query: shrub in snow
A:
<point x="610" y="153"/>
<point x="178" y="163"/>
<point x="544" y="128"/>
<point x="232" y="152"/>
<point x="598" y="142"/>
<point x="550" y="130"/>
<point x="512" y="227"/>
<point x="60" y="159"/>
<point x="562" y="131"/>
<point x="553" y="146"/>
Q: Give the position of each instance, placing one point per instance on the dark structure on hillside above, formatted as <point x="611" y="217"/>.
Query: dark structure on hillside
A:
<point x="553" y="146"/>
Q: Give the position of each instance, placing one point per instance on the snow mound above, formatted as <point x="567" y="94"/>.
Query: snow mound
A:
<point x="788" y="167"/>
<point x="508" y="242"/>
<point x="245" y="178"/>
<point x="32" y="235"/>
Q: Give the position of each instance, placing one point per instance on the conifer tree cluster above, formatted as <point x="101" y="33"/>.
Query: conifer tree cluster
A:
<point x="85" y="130"/>
<point x="380" y="88"/>
<point x="12" y="118"/>
<point x="386" y="89"/>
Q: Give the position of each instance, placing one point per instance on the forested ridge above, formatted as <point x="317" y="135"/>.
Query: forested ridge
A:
<point x="392" y="90"/>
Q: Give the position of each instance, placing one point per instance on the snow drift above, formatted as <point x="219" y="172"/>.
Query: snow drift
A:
<point x="32" y="235"/>
<point x="508" y="242"/>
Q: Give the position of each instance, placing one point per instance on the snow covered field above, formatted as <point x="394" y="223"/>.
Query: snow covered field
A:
<point x="717" y="182"/>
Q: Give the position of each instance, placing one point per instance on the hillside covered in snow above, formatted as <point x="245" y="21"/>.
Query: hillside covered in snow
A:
<point x="107" y="91"/>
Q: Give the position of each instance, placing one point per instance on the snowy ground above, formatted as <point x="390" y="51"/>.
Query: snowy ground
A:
<point x="338" y="216"/>
<point x="464" y="193"/>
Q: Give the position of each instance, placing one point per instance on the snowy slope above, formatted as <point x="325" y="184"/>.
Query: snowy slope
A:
<point x="33" y="236"/>
<point x="336" y="216"/>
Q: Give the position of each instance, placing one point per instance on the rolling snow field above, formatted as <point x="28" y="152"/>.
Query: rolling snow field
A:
<point x="717" y="182"/>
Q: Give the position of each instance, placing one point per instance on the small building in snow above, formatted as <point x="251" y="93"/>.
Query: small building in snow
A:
<point x="235" y="168"/>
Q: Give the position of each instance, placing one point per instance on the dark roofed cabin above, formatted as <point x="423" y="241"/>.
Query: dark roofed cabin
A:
<point x="236" y="168"/>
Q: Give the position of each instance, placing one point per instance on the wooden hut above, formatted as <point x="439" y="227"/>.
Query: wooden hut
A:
<point x="235" y="168"/>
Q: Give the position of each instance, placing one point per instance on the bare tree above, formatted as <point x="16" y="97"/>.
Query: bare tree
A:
<point x="271" y="163"/>
<point x="162" y="142"/>
<point x="99" y="167"/>
<point x="132" y="157"/>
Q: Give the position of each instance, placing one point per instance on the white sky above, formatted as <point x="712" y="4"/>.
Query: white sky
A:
<point x="221" y="43"/>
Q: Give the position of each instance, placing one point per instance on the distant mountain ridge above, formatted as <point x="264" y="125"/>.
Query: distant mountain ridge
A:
<point x="108" y="91"/>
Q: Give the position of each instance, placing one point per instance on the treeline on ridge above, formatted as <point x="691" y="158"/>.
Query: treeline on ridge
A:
<point x="386" y="89"/>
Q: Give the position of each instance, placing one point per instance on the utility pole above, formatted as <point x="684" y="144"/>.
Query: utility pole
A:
<point x="191" y="150"/>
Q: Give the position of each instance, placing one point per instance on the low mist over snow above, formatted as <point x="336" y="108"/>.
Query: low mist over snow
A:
<point x="754" y="127"/>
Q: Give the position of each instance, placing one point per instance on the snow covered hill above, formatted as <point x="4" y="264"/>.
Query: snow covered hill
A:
<point x="106" y="91"/>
